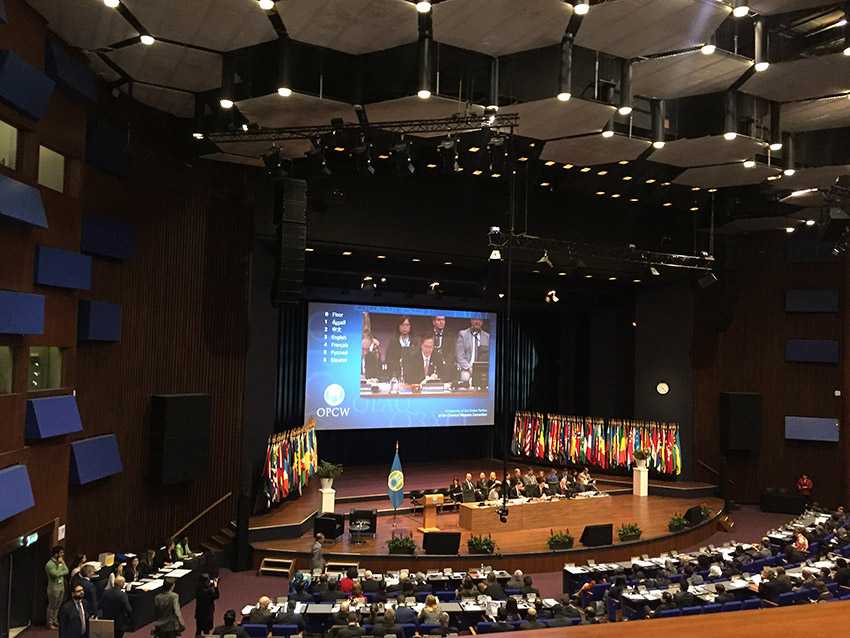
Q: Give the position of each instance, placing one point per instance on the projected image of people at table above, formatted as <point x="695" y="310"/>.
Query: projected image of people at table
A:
<point x="414" y="367"/>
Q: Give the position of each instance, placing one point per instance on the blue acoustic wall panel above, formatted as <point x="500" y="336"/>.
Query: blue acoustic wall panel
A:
<point x="21" y="313"/>
<point x="69" y="72"/>
<point x="106" y="147"/>
<point x="811" y="351"/>
<point x="21" y="202"/>
<point x="23" y="87"/>
<point x="107" y="237"/>
<point x="16" y="490"/>
<point x="52" y="416"/>
<point x="98" y="321"/>
<point x="62" y="268"/>
<point x="95" y="458"/>
<point x="811" y="300"/>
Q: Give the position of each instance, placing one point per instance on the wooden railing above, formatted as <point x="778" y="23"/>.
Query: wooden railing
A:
<point x="713" y="471"/>
<point x="206" y="511"/>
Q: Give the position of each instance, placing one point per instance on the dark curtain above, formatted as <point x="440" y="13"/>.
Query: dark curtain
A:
<point x="292" y="367"/>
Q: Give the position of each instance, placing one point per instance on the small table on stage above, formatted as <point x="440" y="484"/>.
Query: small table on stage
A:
<point x="429" y="513"/>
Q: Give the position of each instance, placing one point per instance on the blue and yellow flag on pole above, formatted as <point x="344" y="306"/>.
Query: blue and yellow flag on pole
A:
<point x="395" y="481"/>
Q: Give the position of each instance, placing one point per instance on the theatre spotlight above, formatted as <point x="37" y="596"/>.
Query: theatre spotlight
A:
<point x="544" y="259"/>
<point x="654" y="271"/>
<point x="316" y="157"/>
<point x="552" y="297"/>
<point x="403" y="158"/>
<point x="760" y="43"/>
<point x="423" y="7"/>
<point x="495" y="255"/>
<point x="730" y="116"/>
<point x="274" y="164"/>
<point x="565" y="72"/>
<point x="625" y="107"/>
<point x="112" y="4"/>
<point x="266" y="5"/>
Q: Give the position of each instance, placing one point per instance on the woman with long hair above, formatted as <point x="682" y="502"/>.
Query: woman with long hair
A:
<point x="400" y="348"/>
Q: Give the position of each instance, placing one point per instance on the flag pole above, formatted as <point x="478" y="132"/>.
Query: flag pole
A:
<point x="395" y="509"/>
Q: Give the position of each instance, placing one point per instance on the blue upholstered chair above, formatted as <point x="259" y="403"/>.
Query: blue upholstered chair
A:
<point x="668" y="613"/>
<point x="752" y="603"/>
<point x="713" y="608"/>
<point x="735" y="605"/>
<point x="691" y="611"/>
<point x="256" y="630"/>
<point x="445" y="596"/>
<point x="284" y="630"/>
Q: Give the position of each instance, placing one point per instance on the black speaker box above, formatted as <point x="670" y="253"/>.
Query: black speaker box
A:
<point x="444" y="543"/>
<point x="596" y="535"/>
<point x="693" y="516"/>
<point x="291" y="198"/>
<point x="180" y="437"/>
<point x="740" y="421"/>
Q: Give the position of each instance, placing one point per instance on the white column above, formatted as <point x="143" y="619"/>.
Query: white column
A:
<point x="640" y="481"/>
<point x="328" y="499"/>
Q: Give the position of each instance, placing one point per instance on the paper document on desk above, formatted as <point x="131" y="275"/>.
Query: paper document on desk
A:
<point x="247" y="609"/>
<point x="152" y="585"/>
<point x="179" y="573"/>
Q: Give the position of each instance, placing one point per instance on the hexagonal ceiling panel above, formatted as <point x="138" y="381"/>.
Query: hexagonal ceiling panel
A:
<point x="351" y="26"/>
<point x="274" y="111"/>
<point x="703" y="151"/>
<point x="726" y="175"/>
<point x="170" y="65"/>
<point x="819" y="177"/>
<point x="549" y="118"/>
<point x="101" y="68"/>
<point x="177" y="103"/>
<point x="222" y="25"/>
<point x="591" y="150"/>
<point x="801" y="79"/>
<point x="770" y="7"/>
<point x="810" y="115"/>
<point x="86" y="24"/>
<point x="500" y="27"/>
<point x="689" y="73"/>
<point x="632" y="28"/>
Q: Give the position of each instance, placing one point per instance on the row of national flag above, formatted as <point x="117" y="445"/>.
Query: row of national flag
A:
<point x="291" y="459"/>
<point x="595" y="441"/>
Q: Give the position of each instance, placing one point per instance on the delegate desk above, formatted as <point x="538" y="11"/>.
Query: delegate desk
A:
<point x="142" y="594"/>
<point x="483" y="517"/>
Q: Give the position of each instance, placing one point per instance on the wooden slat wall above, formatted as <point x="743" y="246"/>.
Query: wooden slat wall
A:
<point x="749" y="356"/>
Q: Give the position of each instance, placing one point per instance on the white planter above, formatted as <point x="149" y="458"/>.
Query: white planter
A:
<point x="327" y="483"/>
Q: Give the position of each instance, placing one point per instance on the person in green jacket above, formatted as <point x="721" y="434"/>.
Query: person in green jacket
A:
<point x="56" y="570"/>
<point x="182" y="550"/>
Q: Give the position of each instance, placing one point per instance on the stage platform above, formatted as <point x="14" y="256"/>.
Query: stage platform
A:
<point x="286" y="532"/>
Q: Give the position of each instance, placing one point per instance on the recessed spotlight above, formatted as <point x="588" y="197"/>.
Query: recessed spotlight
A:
<point x="762" y="66"/>
<point x="695" y="188"/>
<point x="564" y="96"/>
<point x="588" y="276"/>
<point x="623" y="162"/>
<point x="708" y="49"/>
<point x="665" y="183"/>
<point x="423" y="7"/>
<point x="615" y="195"/>
<point x="266" y="5"/>
<point x="789" y="229"/>
<point x="600" y="193"/>
<point x="244" y="128"/>
<point x="423" y="94"/>
<point x="694" y="209"/>
<point x="742" y="10"/>
<point x="545" y="184"/>
<point x="612" y="278"/>
<point x="447" y="263"/>
<point x="383" y="280"/>
<point x="581" y="7"/>
<point x="225" y="103"/>
<point x="607" y="134"/>
<point x="284" y="91"/>
<point x="658" y="144"/>
<point x="346" y="253"/>
<point x="112" y="4"/>
<point x="627" y="178"/>
<point x="712" y="190"/>
<point x="415" y="260"/>
<point x="549" y="163"/>
<point x="776" y="146"/>
<point x="789" y="172"/>
<point x="810" y="222"/>
<point x="602" y="173"/>
<point x="730" y="135"/>
<point x="198" y="136"/>
<point x="474" y="149"/>
<point x="477" y="172"/>
<point x="148" y="40"/>
<point x="562" y="274"/>
<point x="586" y="169"/>
<point x="624" y="110"/>
<point x="430" y="166"/>
<point x="496" y="175"/>
<point x="383" y="156"/>
<point x="567" y="167"/>
<point x="634" y="200"/>
<point x="309" y="250"/>
<point x="750" y="164"/>
<point x="846" y="51"/>
<point x="382" y="256"/>
<point x="522" y="159"/>
<point x="635" y="281"/>
<point x="501" y="295"/>
<point x="650" y="181"/>
<point x="668" y="204"/>
<point x="339" y="149"/>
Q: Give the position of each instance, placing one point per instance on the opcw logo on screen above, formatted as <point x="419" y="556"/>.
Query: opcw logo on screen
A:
<point x="334" y="395"/>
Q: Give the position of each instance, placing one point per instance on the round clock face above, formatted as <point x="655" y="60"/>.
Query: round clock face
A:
<point x="662" y="388"/>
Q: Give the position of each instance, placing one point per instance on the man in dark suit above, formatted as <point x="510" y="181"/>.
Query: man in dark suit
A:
<point x="684" y="598"/>
<point x="494" y="589"/>
<point x="667" y="603"/>
<point x="468" y="488"/>
<point x="438" y="331"/>
<point x="352" y="629"/>
<point x="90" y="591"/>
<point x="115" y="606"/>
<point x="721" y="597"/>
<point x="74" y="615"/>
<point x="388" y="625"/>
<point x="404" y="615"/>
<point x="230" y="627"/>
<point x="531" y="620"/>
<point x="261" y="614"/>
<point x="842" y="573"/>
<point x="368" y="583"/>
<point x="427" y="366"/>
<point x="332" y="593"/>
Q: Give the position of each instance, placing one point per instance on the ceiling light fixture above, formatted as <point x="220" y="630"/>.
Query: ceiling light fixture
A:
<point x="615" y="195"/>
<point x="112" y="4"/>
<point x="474" y="149"/>
<point x="552" y="297"/>
<point x="789" y="229"/>
<point x="608" y="132"/>
<point x="545" y="184"/>
<point x="749" y="164"/>
<point x="789" y="172"/>
<point x="790" y="155"/>
<point x="266" y="5"/>
<point x="625" y="106"/>
<point x="415" y="260"/>
<point x="346" y="253"/>
<point x="544" y="259"/>
<point x="712" y="190"/>
<point x="549" y="163"/>
<point x="581" y="7"/>
<point x="667" y="204"/>
<point x="634" y="200"/>
<point x="495" y="255"/>
<point x="775" y="146"/>
<point x="423" y="7"/>
<point x="810" y="222"/>
<point x="565" y="70"/>
<point x="585" y="169"/>
<point x="627" y="178"/>
<point x="425" y="57"/>
<point x="730" y="116"/>
<point x="600" y="193"/>
<point x="694" y="209"/>
<point x="654" y="271"/>
<point x="650" y="181"/>
<point x="567" y="167"/>
<point x="658" y="144"/>
<point x="522" y="159"/>
<point x="623" y="162"/>
<point x="563" y="96"/>
<point x="382" y="256"/>
<point x="708" y="49"/>
<point x="226" y="103"/>
<point x="147" y="39"/>
<point x="602" y="173"/>
<point x="477" y="172"/>
<point x="695" y="188"/>
<point x="309" y="250"/>
<point x="729" y="136"/>
<point x="760" y="45"/>
<point x="741" y="10"/>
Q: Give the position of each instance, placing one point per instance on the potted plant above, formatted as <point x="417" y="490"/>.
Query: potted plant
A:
<point x="641" y="456"/>
<point x="401" y="545"/>
<point x="705" y="512"/>
<point x="560" y="540"/>
<point x="677" y="523"/>
<point x="480" y="545"/>
<point x="629" y="532"/>
<point x="327" y="472"/>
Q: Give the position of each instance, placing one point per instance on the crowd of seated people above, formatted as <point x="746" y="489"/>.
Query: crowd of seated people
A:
<point x="528" y="484"/>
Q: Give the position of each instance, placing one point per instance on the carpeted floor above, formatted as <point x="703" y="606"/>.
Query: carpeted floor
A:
<point x="240" y="588"/>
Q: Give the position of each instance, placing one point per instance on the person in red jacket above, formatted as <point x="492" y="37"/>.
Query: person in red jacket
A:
<point x="805" y="485"/>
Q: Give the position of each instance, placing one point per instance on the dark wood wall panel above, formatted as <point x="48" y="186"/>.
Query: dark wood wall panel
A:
<point x="749" y="356"/>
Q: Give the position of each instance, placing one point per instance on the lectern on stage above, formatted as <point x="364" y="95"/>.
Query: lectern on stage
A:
<point x="429" y="513"/>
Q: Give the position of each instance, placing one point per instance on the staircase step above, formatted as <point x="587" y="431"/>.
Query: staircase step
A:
<point x="228" y="532"/>
<point x="276" y="567"/>
<point x="224" y="541"/>
<point x="339" y="566"/>
<point x="211" y="547"/>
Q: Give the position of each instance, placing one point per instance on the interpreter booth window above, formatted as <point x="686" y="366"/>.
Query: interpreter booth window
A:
<point x="45" y="368"/>
<point x="51" y="169"/>
<point x="8" y="146"/>
<point x="5" y="370"/>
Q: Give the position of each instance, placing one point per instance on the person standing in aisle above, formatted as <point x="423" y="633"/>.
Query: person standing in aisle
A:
<point x="318" y="559"/>
<point x="56" y="570"/>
